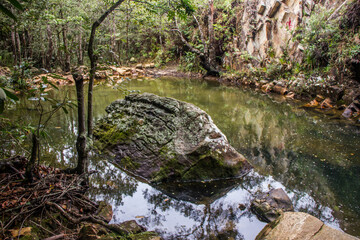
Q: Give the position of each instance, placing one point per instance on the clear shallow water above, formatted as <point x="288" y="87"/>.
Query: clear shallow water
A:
<point x="314" y="159"/>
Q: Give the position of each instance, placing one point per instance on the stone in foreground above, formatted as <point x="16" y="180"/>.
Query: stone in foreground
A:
<point x="269" y="206"/>
<point x="298" y="225"/>
<point x="163" y="139"/>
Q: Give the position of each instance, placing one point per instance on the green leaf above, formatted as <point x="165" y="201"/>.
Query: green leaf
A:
<point x="53" y="85"/>
<point x="16" y="4"/>
<point x="45" y="80"/>
<point x="11" y="95"/>
<point x="7" y="12"/>
<point x="65" y="110"/>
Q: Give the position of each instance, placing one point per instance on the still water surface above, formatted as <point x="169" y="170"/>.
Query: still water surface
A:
<point x="316" y="160"/>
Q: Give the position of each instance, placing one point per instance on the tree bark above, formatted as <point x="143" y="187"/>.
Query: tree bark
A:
<point x="80" y="56"/>
<point x="34" y="156"/>
<point x="212" y="54"/>
<point x="28" y="38"/>
<point x="50" y="50"/>
<point x="59" y="55"/>
<point x="18" y="45"/>
<point x="81" y="148"/>
<point x="93" y="60"/>
<point x="13" y="40"/>
<point x="66" y="48"/>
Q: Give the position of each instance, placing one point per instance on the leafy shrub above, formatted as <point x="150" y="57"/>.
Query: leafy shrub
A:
<point x="190" y="63"/>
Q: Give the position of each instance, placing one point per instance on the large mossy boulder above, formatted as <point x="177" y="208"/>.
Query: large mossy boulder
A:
<point x="162" y="139"/>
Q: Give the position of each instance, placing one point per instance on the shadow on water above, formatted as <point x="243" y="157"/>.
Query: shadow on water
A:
<point x="314" y="159"/>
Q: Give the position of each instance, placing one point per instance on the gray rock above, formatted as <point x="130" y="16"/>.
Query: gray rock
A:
<point x="271" y="205"/>
<point x="298" y="225"/>
<point x="163" y="139"/>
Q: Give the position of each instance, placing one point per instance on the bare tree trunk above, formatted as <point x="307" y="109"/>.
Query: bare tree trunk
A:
<point x="59" y="55"/>
<point x="18" y="45"/>
<point x="25" y="46"/>
<point x="127" y="31"/>
<point x="80" y="56"/>
<point x="50" y="50"/>
<point x="65" y="42"/>
<point x="28" y="38"/>
<point x="13" y="40"/>
<point x="34" y="156"/>
<point x="81" y="148"/>
<point x="93" y="60"/>
<point x="212" y="54"/>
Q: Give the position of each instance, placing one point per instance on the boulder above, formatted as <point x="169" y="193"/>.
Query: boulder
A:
<point x="269" y="206"/>
<point x="162" y="139"/>
<point x="353" y="109"/>
<point x="298" y="225"/>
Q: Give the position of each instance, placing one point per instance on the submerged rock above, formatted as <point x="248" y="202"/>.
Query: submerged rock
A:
<point x="298" y="225"/>
<point x="161" y="138"/>
<point x="269" y="206"/>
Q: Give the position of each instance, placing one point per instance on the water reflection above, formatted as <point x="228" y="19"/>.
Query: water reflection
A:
<point x="314" y="159"/>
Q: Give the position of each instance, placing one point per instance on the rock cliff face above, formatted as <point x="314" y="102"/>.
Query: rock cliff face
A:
<point x="266" y="30"/>
<point x="164" y="139"/>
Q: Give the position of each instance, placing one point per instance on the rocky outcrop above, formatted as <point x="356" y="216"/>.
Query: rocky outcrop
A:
<point x="298" y="225"/>
<point x="269" y="206"/>
<point x="161" y="138"/>
<point x="265" y="30"/>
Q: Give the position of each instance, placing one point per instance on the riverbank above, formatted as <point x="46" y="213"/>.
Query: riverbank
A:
<point x="338" y="99"/>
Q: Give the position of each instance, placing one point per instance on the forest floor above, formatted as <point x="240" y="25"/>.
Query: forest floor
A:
<point x="53" y="205"/>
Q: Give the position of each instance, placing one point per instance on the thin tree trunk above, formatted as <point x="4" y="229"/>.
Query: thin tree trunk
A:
<point x="25" y="47"/>
<point x="127" y="31"/>
<point x="82" y="163"/>
<point x="212" y="55"/>
<point x="80" y="56"/>
<point x="50" y="50"/>
<point x="18" y="45"/>
<point x="59" y="55"/>
<point x="13" y="40"/>
<point x="34" y="156"/>
<point x="65" y="42"/>
<point x="28" y="38"/>
<point x="93" y="60"/>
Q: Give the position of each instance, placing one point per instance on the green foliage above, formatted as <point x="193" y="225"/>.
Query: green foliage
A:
<point x="328" y="44"/>
<point x="190" y="63"/>
<point x="7" y="12"/>
<point x="21" y="74"/>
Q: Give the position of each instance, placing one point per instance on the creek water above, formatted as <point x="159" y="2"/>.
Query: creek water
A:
<point x="313" y="158"/>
